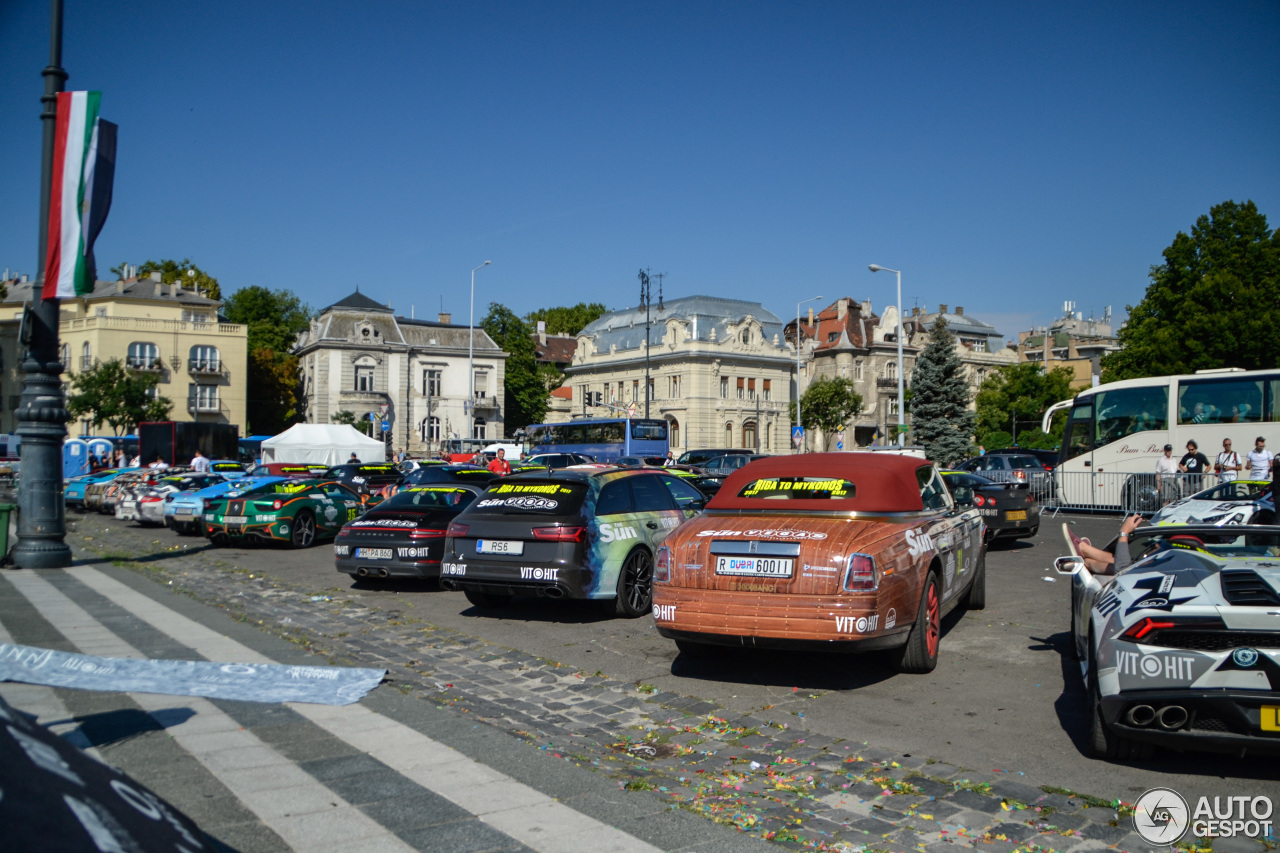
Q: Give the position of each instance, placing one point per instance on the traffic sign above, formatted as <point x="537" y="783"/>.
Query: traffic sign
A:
<point x="386" y="426"/>
<point x="797" y="435"/>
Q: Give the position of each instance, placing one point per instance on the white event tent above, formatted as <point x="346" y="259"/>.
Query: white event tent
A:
<point x="322" y="444"/>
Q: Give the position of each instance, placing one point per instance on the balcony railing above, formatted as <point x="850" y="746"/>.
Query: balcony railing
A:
<point x="199" y="405"/>
<point x="887" y="382"/>
<point x="86" y="362"/>
<point x="204" y="366"/>
<point x="483" y="402"/>
<point x="144" y="364"/>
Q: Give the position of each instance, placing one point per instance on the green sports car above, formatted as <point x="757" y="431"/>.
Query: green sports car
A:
<point x="299" y="512"/>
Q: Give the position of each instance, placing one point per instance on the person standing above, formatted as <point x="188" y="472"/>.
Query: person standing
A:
<point x="1260" y="460"/>
<point x="671" y="460"/>
<point x="1228" y="462"/>
<point x="500" y="465"/>
<point x="1167" y="475"/>
<point x="159" y="464"/>
<point x="120" y="460"/>
<point x="1193" y="464"/>
<point x="199" y="463"/>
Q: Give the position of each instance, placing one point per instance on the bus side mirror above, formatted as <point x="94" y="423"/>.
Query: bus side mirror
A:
<point x="1069" y="565"/>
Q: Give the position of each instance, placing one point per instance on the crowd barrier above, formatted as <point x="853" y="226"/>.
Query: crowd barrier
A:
<point x="1117" y="492"/>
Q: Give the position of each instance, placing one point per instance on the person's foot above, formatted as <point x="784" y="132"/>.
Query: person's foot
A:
<point x="1073" y="541"/>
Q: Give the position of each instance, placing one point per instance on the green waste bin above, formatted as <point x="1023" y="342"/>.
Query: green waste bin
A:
<point x="5" y="510"/>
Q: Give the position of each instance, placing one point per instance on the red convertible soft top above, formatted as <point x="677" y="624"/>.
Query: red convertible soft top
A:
<point x="841" y="482"/>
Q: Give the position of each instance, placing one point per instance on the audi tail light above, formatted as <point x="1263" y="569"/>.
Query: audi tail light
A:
<point x="860" y="575"/>
<point x="560" y="534"/>
<point x="426" y="533"/>
<point x="662" y="565"/>
<point x="458" y="529"/>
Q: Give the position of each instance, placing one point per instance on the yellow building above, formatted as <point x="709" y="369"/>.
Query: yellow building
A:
<point x="151" y="328"/>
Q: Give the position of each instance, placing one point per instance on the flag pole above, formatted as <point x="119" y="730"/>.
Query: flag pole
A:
<point x="42" y="415"/>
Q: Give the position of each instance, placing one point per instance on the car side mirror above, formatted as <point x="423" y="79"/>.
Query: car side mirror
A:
<point x="1069" y="565"/>
<point x="697" y="505"/>
<point x="963" y="497"/>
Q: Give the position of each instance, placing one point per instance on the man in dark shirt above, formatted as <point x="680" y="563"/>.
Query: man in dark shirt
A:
<point x="1194" y="463"/>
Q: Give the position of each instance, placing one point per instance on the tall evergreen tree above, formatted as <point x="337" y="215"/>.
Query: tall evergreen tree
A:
<point x="940" y="418"/>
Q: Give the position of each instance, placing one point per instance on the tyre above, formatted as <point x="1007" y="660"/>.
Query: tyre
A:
<point x="486" y="600"/>
<point x="920" y="654"/>
<point x="976" y="597"/>
<point x="635" y="585"/>
<point x="219" y="540"/>
<point x="1141" y="494"/>
<point x="1103" y="742"/>
<point x="303" y="533"/>
<point x="1071" y="628"/>
<point x="692" y="649"/>
<point x="1033" y="531"/>
<point x="1263" y="516"/>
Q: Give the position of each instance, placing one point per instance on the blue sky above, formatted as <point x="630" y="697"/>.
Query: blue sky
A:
<point x="1004" y="156"/>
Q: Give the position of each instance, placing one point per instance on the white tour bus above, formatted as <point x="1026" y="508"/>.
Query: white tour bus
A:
<point x="1116" y="432"/>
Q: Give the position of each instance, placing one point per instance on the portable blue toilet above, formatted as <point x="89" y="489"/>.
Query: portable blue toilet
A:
<point x="75" y="458"/>
<point x="101" y="448"/>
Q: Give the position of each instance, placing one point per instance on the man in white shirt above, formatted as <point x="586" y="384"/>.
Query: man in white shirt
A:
<point x="199" y="463"/>
<point x="159" y="463"/>
<point x="1228" y="462"/>
<point x="1260" y="460"/>
<point x="1167" y="475"/>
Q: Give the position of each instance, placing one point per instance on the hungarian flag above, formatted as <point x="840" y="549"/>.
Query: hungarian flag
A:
<point x="84" y="164"/>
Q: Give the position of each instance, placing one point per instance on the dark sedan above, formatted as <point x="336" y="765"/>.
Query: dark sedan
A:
<point x="366" y="479"/>
<point x="403" y="536"/>
<point x="1007" y="509"/>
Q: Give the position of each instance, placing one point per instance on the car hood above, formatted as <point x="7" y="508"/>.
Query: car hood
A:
<point x="1191" y="511"/>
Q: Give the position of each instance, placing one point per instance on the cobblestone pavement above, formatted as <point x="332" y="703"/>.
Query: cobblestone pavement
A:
<point x="764" y="772"/>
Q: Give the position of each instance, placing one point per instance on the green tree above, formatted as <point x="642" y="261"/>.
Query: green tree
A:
<point x="273" y="319"/>
<point x="1214" y="302"/>
<point x="1022" y="391"/>
<point x="188" y="274"/>
<point x="828" y="404"/>
<point x="940" y="418"/>
<point x="121" y="398"/>
<point x="566" y="319"/>
<point x="525" y="394"/>
<point x="272" y="400"/>
<point x="349" y="418"/>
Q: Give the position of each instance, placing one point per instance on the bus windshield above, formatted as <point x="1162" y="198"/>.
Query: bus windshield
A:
<point x="604" y="440"/>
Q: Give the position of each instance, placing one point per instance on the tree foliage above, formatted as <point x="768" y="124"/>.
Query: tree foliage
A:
<point x="1214" y="302"/>
<point x="274" y="317"/>
<point x="178" y="271"/>
<point x="566" y="319"/>
<point x="940" y="419"/>
<point x="109" y="393"/>
<point x="272" y="400"/>
<point x="525" y="391"/>
<point x="348" y="417"/>
<point x="828" y="404"/>
<point x="1022" y="391"/>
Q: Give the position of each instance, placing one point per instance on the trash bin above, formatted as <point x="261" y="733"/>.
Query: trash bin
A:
<point x="5" y="510"/>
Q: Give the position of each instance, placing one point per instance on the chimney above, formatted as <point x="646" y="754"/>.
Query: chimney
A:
<point x="842" y="307"/>
<point x="942" y="309"/>
<point x="810" y="316"/>
<point x="173" y="290"/>
<point x="445" y="318"/>
<point x="155" y="275"/>
<point x="24" y="278"/>
<point x="542" y="332"/>
<point x="915" y="310"/>
<point x="959" y="310"/>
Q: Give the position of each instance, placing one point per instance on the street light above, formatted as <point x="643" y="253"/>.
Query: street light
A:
<point x="471" y="351"/>
<point x="799" y="422"/>
<point x="902" y="437"/>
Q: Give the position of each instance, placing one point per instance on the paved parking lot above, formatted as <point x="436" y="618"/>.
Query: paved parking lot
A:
<point x="1004" y="707"/>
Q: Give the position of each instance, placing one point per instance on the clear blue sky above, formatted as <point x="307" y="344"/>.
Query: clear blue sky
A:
<point x="1005" y="156"/>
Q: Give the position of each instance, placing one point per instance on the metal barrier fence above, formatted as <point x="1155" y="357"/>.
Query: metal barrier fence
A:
<point x="1117" y="492"/>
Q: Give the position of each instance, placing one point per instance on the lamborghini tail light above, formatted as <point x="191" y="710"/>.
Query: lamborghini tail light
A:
<point x="1141" y="629"/>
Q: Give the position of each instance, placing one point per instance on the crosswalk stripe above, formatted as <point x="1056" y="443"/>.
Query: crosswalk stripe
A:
<point x="522" y="812"/>
<point x="302" y="811"/>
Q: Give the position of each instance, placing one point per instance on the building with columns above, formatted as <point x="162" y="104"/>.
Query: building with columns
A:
<point x="720" y="373"/>
<point x="359" y="356"/>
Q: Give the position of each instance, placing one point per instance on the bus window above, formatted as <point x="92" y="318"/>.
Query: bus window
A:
<point x="1078" y="438"/>
<point x="649" y="430"/>
<point x="1272" y="411"/>
<point x="1126" y="411"/>
<point x="575" y="434"/>
<point x="612" y="433"/>
<point x="1220" y="401"/>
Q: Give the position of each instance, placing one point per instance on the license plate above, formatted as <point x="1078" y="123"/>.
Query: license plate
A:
<point x="234" y="519"/>
<point x="373" y="553"/>
<point x="499" y="546"/>
<point x="1270" y="721"/>
<point x="1016" y="515"/>
<point x="762" y="567"/>
<point x="183" y="516"/>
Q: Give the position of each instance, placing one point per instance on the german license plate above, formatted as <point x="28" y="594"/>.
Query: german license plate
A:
<point x="234" y="519"/>
<point x="1270" y="721"/>
<point x="760" y="567"/>
<point x="373" y="553"/>
<point x="499" y="546"/>
<point x="1016" y="515"/>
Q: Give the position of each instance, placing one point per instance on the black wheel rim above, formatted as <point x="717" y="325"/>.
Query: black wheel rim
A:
<point x="305" y="529"/>
<point x="637" y="578"/>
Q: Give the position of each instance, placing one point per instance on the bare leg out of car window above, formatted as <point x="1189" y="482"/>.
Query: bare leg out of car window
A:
<point x="1098" y="560"/>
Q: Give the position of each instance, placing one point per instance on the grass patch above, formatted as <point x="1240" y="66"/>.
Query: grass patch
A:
<point x="639" y="784"/>
<point x="646" y="688"/>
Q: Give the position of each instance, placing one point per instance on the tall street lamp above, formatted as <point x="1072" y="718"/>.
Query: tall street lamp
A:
<point x="799" y="422"/>
<point x="902" y="436"/>
<point x="471" y="352"/>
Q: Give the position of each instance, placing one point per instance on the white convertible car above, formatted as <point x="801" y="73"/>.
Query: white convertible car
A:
<point x="1182" y="646"/>
<point x="1236" y="502"/>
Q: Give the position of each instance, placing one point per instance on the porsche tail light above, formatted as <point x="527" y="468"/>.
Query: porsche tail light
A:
<point x="426" y="533"/>
<point x="662" y="565"/>
<point x="458" y="529"/>
<point x="151" y="499"/>
<point x="1138" y="630"/>
<point x="860" y="576"/>
<point x="560" y="534"/>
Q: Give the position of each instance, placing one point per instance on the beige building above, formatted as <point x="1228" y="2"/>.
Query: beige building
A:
<point x="1073" y="342"/>
<point x="359" y="356"/>
<point x="150" y="327"/>
<point x="720" y="373"/>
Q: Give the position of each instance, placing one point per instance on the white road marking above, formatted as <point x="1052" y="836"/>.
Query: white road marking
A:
<point x="522" y="812"/>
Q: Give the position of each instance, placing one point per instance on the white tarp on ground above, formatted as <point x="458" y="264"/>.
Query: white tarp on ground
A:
<point x="322" y="444"/>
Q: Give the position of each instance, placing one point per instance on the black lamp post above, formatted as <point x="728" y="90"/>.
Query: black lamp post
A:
<point x="42" y="415"/>
<point x="646" y="299"/>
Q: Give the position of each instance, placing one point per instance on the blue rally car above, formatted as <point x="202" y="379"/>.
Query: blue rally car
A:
<point x="183" y="511"/>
